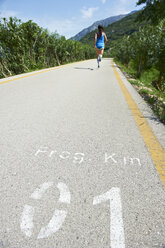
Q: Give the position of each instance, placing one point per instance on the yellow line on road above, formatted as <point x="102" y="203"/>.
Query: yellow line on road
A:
<point x="25" y="76"/>
<point x="39" y="72"/>
<point x="154" y="147"/>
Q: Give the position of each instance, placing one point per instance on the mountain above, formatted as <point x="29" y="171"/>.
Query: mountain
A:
<point x="116" y="30"/>
<point x="94" y="26"/>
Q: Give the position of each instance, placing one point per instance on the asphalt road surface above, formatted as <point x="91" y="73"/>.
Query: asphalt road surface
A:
<point x="75" y="171"/>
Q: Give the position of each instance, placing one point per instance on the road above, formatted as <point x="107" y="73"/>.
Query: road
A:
<point x="77" y="167"/>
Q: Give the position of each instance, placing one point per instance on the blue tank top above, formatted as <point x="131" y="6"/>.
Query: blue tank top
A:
<point x="100" y="41"/>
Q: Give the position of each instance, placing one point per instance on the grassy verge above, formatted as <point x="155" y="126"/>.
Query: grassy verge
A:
<point x="145" y="87"/>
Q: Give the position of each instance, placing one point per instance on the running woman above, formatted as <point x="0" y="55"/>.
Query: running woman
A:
<point x="100" y="41"/>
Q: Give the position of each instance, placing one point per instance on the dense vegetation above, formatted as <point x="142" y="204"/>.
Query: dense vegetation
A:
<point x="154" y="11"/>
<point x="143" y="55"/>
<point x="26" y="46"/>
<point x="144" y="50"/>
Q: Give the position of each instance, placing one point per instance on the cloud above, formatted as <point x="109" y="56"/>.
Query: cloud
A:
<point x="8" y="13"/>
<point x="66" y="27"/>
<point x="88" y="13"/>
<point x="122" y="7"/>
<point x="123" y="1"/>
<point x="103" y="1"/>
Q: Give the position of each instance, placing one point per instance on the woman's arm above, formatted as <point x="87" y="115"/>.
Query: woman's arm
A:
<point x="95" y="39"/>
<point x="106" y="40"/>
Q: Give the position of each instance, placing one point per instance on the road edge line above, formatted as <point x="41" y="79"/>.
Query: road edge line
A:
<point x="153" y="145"/>
<point x="39" y="72"/>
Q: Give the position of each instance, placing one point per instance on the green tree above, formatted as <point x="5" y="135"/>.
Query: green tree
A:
<point x="12" y="43"/>
<point x="123" y="50"/>
<point x="142" y="42"/>
<point x="26" y="46"/>
<point x="158" y="53"/>
<point x="154" y="10"/>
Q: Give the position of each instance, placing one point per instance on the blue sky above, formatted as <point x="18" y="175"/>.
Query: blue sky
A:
<point x="66" y="17"/>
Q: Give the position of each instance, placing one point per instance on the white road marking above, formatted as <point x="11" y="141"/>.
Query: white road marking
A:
<point x="131" y="160"/>
<point x="38" y="193"/>
<point x="78" y="158"/>
<point x="27" y="220"/>
<point x="117" y="239"/>
<point x="64" y="193"/>
<point x="54" y="224"/>
<point x="51" y="153"/>
<point x="125" y="160"/>
<point x="137" y="159"/>
<point x="110" y="157"/>
<point x="66" y="156"/>
<point x="44" y="149"/>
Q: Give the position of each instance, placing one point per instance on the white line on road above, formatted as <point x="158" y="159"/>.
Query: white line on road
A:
<point x="54" y="224"/>
<point x="117" y="239"/>
<point x="38" y="193"/>
<point x="64" y="193"/>
<point x="27" y="220"/>
<point x="26" y="223"/>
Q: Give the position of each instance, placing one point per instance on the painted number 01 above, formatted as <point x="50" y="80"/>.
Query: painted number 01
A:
<point x="117" y="239"/>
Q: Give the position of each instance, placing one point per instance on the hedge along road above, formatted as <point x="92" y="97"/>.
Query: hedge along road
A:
<point x="77" y="167"/>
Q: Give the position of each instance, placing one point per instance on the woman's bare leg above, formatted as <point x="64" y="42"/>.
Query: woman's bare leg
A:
<point x="102" y="51"/>
<point x="99" y="53"/>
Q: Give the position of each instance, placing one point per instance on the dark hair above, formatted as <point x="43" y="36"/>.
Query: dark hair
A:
<point x="100" y="29"/>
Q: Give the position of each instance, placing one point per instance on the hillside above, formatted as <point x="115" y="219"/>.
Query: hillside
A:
<point x="115" y="31"/>
<point x="104" y="22"/>
<point x="94" y="26"/>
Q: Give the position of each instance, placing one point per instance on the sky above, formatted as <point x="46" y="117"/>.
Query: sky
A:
<point x="66" y="17"/>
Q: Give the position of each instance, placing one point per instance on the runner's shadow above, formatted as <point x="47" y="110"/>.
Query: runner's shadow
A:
<point x="84" y="68"/>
